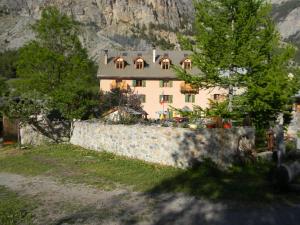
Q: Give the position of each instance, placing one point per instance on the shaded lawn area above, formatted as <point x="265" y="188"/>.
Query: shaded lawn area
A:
<point x="14" y="209"/>
<point x="107" y="171"/>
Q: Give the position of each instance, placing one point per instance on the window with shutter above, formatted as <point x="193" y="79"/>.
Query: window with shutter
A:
<point x="142" y="98"/>
<point x="161" y="83"/>
<point x="170" y="98"/>
<point x="166" y="83"/>
<point x="189" y="98"/>
<point x="166" y="98"/>
<point x="186" y="98"/>
<point x="193" y="98"/>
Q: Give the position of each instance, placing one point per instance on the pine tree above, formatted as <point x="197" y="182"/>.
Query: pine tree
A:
<point x="237" y="45"/>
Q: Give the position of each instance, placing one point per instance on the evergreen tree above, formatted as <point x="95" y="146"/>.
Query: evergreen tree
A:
<point x="56" y="67"/>
<point x="237" y="45"/>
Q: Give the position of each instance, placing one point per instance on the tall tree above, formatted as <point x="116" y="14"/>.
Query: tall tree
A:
<point x="8" y="64"/>
<point x="237" y="45"/>
<point x="57" y="68"/>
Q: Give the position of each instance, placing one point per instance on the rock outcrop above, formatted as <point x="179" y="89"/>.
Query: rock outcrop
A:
<point x="105" y="23"/>
<point x="120" y="23"/>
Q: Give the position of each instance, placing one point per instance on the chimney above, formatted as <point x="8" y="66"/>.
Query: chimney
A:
<point x="105" y="56"/>
<point x="154" y="54"/>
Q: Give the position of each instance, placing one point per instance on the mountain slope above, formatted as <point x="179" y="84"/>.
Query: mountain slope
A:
<point x="105" y="23"/>
<point x="122" y="24"/>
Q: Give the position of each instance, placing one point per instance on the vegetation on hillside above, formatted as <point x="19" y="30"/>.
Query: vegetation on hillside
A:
<point x="149" y="34"/>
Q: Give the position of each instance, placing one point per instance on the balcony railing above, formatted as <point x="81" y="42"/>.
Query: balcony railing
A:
<point x="122" y="86"/>
<point x="186" y="88"/>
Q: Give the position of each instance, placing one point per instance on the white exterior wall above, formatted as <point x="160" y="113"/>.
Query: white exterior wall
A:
<point x="153" y="91"/>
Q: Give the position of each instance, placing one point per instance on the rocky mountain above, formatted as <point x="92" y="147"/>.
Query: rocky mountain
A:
<point x="126" y="24"/>
<point x="104" y="23"/>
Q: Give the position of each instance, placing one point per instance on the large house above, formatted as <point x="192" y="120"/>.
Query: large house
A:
<point x="149" y="75"/>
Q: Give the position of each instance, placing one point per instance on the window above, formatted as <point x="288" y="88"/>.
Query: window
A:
<point x="165" y="65"/>
<point x="139" y="83"/>
<point x="119" y="83"/>
<point x="187" y="64"/>
<point x="189" y="98"/>
<point x="166" y="98"/>
<point x="217" y="97"/>
<point x="120" y="64"/>
<point x="139" y="64"/>
<point x="166" y="83"/>
<point x="142" y="98"/>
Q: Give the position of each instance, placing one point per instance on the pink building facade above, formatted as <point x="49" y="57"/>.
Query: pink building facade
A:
<point x="149" y="75"/>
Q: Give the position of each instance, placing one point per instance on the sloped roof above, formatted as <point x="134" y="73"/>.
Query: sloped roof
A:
<point x="127" y="110"/>
<point x="151" y="70"/>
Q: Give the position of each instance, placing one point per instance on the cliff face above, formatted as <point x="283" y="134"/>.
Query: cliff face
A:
<point x="105" y="23"/>
<point x="121" y="23"/>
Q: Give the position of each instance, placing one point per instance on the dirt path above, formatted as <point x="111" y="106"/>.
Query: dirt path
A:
<point x="62" y="204"/>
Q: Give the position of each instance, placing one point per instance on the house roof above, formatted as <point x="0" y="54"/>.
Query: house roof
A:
<point x="127" y="110"/>
<point x="151" y="70"/>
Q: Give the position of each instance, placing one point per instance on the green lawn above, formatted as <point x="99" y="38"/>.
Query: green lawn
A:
<point x="14" y="209"/>
<point x="107" y="171"/>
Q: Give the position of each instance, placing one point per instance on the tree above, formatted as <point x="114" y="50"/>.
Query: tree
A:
<point x="8" y="64"/>
<point x="56" y="67"/>
<point x="8" y="67"/>
<point x="237" y="45"/>
<point x="3" y="86"/>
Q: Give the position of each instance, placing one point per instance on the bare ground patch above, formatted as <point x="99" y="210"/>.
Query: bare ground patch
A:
<point x="62" y="204"/>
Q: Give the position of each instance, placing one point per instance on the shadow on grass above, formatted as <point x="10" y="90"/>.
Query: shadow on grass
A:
<point x="251" y="183"/>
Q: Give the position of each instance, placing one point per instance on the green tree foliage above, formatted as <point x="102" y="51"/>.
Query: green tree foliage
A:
<point x="8" y="64"/>
<point x="57" y="67"/>
<point x="3" y="86"/>
<point x="8" y="67"/>
<point x="237" y="45"/>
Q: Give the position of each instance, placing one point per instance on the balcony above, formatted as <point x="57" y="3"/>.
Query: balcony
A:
<point x="119" y="85"/>
<point x="217" y="98"/>
<point x="186" y="88"/>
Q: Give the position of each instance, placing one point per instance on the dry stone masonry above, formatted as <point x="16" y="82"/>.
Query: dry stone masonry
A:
<point x="178" y="147"/>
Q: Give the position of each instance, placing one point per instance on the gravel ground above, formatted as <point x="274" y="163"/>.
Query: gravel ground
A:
<point x="65" y="203"/>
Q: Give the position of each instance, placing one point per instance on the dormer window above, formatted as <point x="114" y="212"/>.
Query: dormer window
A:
<point x="186" y="64"/>
<point x="165" y="63"/>
<point x="139" y="63"/>
<point x="120" y="63"/>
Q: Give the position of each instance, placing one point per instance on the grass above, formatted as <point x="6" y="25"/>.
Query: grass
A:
<point x="76" y="164"/>
<point x="14" y="209"/>
<point x="249" y="183"/>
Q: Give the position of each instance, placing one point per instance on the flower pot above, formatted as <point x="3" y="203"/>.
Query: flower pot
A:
<point x="227" y="125"/>
<point x="210" y="125"/>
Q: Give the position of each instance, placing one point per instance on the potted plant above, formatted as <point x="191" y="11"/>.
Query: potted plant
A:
<point x="227" y="124"/>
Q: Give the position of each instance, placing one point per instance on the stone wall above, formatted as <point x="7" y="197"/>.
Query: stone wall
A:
<point x="41" y="133"/>
<point x="31" y="136"/>
<point x="165" y="145"/>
